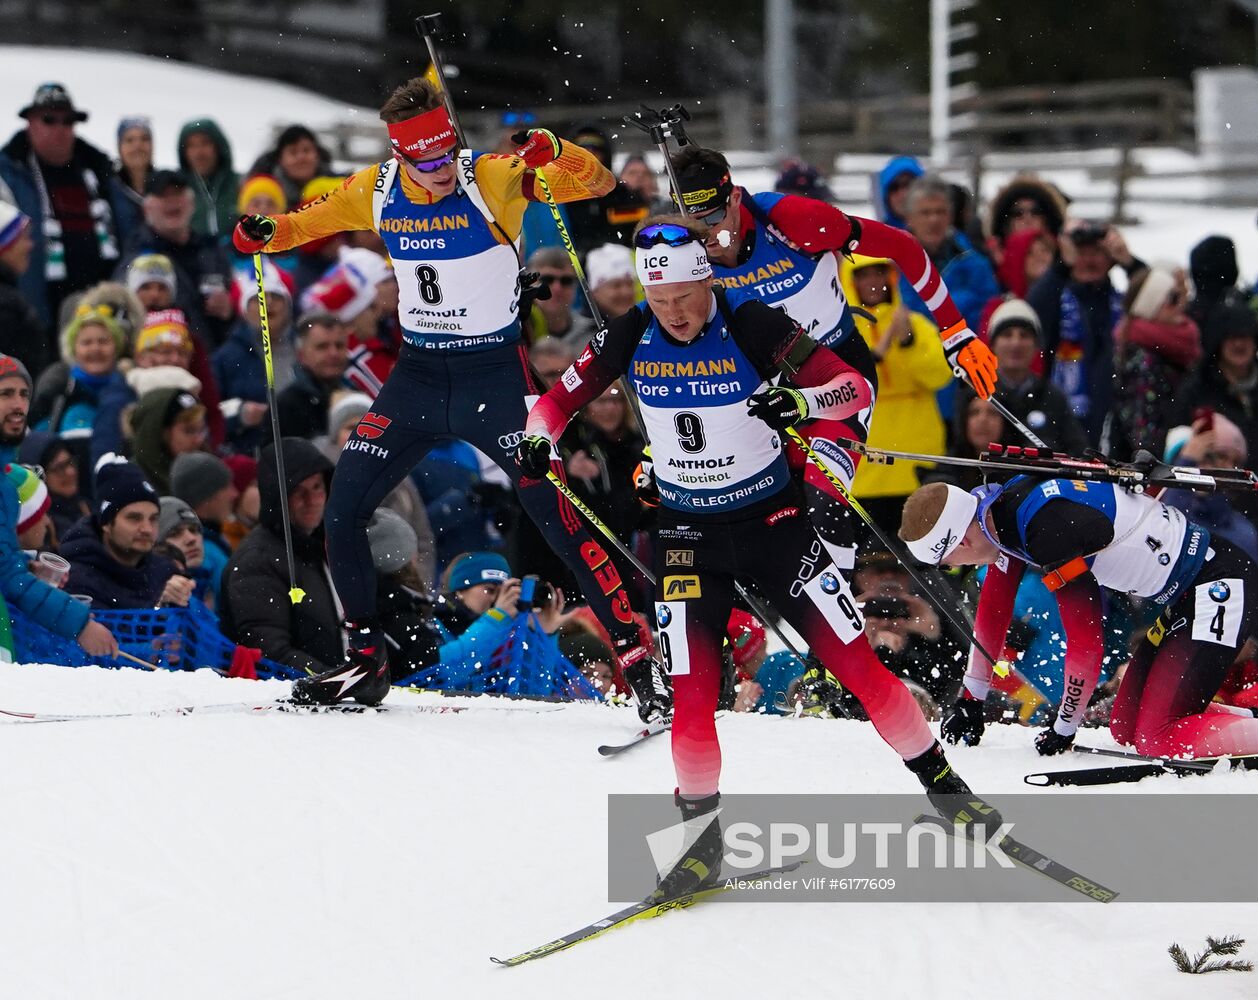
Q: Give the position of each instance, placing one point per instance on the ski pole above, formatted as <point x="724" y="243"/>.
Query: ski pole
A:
<point x="1017" y="424"/>
<point x="428" y="26"/>
<point x="295" y="593"/>
<point x="660" y="126"/>
<point x="1001" y="666"/>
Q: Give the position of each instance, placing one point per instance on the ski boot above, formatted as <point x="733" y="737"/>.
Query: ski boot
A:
<point x="651" y="684"/>
<point x="700" y="868"/>
<point x="951" y="796"/>
<point x="363" y="676"/>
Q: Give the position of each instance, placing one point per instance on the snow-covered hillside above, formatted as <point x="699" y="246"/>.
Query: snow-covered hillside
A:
<point x="388" y="856"/>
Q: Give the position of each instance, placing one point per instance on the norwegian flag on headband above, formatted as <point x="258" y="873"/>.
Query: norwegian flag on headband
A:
<point x="425" y="133"/>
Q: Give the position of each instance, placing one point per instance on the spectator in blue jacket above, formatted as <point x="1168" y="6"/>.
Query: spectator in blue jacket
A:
<point x="111" y="553"/>
<point x="893" y="184"/>
<point x="966" y="272"/>
<point x="62" y="183"/>
<point x="54" y="609"/>
<point x="239" y="368"/>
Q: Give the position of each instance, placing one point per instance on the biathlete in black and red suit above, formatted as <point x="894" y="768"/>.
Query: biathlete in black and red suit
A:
<point x="1083" y="536"/>
<point x="783" y="249"/>
<point x="699" y="358"/>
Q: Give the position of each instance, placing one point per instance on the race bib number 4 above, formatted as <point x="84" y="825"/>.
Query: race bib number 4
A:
<point x="1217" y="612"/>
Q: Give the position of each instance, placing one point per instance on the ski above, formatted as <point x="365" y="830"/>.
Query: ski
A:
<point x="643" y="910"/>
<point x="1139" y="769"/>
<point x="244" y="708"/>
<point x="640" y="737"/>
<point x="1032" y="859"/>
<point x="1189" y="764"/>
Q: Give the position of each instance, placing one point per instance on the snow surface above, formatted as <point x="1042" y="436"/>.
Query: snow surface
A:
<point x="388" y="856"/>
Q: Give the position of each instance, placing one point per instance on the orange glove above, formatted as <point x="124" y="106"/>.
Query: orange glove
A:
<point x="971" y="359"/>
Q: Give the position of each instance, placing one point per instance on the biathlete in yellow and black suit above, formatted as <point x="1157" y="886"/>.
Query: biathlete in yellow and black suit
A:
<point x="451" y="219"/>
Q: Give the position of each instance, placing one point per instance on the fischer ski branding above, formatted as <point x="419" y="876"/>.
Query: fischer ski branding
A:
<point x="1042" y="864"/>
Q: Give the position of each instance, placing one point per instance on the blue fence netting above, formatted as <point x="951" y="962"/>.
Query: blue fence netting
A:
<point x="528" y="663"/>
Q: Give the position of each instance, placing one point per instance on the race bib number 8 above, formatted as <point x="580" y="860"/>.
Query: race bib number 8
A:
<point x="1217" y="612"/>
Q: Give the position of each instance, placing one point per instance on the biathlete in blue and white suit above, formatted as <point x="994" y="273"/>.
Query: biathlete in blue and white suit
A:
<point x="450" y="219"/>
<point x="700" y="359"/>
<point x="1084" y="536"/>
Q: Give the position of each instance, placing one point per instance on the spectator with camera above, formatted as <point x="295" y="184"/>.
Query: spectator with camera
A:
<point x="1079" y="307"/>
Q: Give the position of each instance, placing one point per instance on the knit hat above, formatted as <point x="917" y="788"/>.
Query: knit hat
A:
<point x="32" y="495"/>
<point x="173" y="513"/>
<point x="273" y="280"/>
<point x="607" y="263"/>
<point x="142" y="122"/>
<point x="1014" y="312"/>
<point x="164" y="328"/>
<point x="803" y="179"/>
<point x="351" y="406"/>
<point x="1212" y="263"/>
<point x="1155" y="287"/>
<point x="244" y="471"/>
<point x="317" y="187"/>
<point x="86" y="315"/>
<point x="151" y="267"/>
<point x="12" y="222"/>
<point x="10" y="365"/>
<point x="196" y="476"/>
<point x="129" y="311"/>
<point x="349" y="287"/>
<point x="177" y="405"/>
<point x="118" y="484"/>
<point x="476" y="568"/>
<point x="746" y="637"/>
<point x="261" y="184"/>
<point x="392" y="540"/>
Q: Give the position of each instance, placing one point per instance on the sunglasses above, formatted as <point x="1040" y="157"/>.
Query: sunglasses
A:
<point x="519" y="118"/>
<point x="64" y="120"/>
<point x="563" y="280"/>
<point x="429" y="166"/>
<point x="663" y="232"/>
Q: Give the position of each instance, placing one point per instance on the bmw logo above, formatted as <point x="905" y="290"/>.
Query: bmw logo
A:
<point x="1220" y="591"/>
<point x="829" y="583"/>
<point x="663" y="615"/>
<point x="1164" y="559"/>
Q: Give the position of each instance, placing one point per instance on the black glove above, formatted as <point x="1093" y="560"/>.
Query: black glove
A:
<point x="252" y="233"/>
<point x="1050" y="743"/>
<point x="533" y="456"/>
<point x="964" y="722"/>
<point x="779" y="407"/>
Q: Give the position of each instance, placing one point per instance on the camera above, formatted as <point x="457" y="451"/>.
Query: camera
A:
<point x="535" y="593"/>
<point x="886" y="607"/>
<point x="1089" y="232"/>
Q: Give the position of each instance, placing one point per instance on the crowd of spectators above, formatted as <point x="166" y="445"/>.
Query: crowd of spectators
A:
<point x="133" y="379"/>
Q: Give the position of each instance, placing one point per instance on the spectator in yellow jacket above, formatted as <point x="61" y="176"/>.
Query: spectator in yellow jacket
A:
<point x="911" y="368"/>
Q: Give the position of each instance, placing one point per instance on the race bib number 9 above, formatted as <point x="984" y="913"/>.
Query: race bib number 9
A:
<point x="1217" y="612"/>
<point x="671" y="618"/>
<point x="831" y="594"/>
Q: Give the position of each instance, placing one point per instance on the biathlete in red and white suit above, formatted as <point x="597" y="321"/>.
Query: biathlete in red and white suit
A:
<point x="1084" y="536"/>
<point x="699" y="358"/>
<point x="782" y="249"/>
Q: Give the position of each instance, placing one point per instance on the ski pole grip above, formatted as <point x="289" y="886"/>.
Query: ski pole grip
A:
<point x="428" y="25"/>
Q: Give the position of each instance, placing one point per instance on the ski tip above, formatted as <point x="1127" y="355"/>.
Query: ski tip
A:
<point x="1038" y="780"/>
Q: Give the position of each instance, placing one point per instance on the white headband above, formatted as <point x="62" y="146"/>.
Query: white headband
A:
<point x="665" y="265"/>
<point x="1153" y="293"/>
<point x="949" y="529"/>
